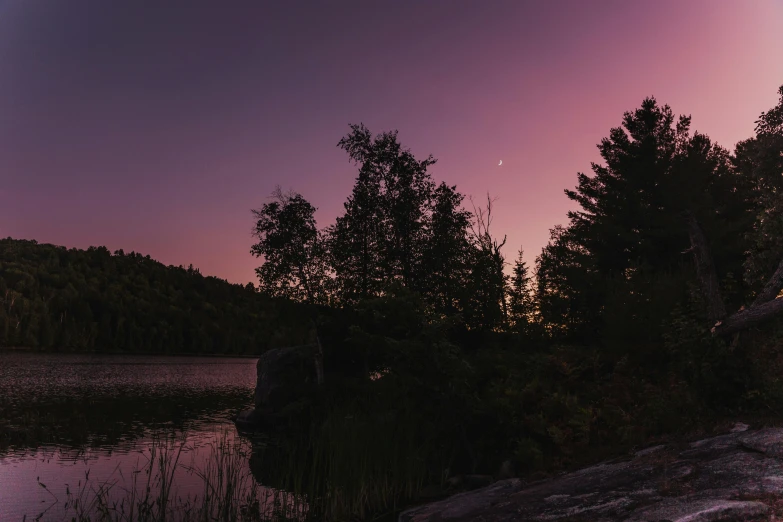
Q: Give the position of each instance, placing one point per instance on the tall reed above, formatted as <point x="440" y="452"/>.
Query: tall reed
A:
<point x="229" y="492"/>
<point x="353" y="465"/>
<point x="357" y="462"/>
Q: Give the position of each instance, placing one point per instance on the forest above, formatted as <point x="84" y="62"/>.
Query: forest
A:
<point x="671" y="224"/>
<point x="654" y="309"/>
<point x="58" y="299"/>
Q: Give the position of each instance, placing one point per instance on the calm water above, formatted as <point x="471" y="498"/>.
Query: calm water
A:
<point x="64" y="415"/>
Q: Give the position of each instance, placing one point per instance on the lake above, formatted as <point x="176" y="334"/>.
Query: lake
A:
<point x="70" y="423"/>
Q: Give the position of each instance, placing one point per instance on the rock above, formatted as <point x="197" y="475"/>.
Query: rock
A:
<point x="732" y="477"/>
<point x="768" y="441"/>
<point x="718" y="444"/>
<point x="740" y="426"/>
<point x="282" y="377"/>
<point x="248" y="420"/>
<point x="688" y="510"/>
<point x="647" y="451"/>
<point x="282" y="373"/>
<point x="463" y="505"/>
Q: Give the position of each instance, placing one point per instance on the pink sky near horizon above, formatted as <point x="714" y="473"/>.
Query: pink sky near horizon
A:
<point x="157" y="130"/>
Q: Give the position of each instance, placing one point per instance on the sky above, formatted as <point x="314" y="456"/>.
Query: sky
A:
<point x="156" y="127"/>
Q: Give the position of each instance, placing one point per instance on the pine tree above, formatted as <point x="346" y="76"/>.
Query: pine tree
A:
<point x="445" y="260"/>
<point x="635" y="215"/>
<point x="520" y="296"/>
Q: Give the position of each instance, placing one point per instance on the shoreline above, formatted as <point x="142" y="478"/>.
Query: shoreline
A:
<point x="25" y="349"/>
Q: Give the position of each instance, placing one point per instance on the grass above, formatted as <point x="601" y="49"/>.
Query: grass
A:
<point x="352" y="466"/>
<point x="229" y="492"/>
<point x="349" y="468"/>
<point x="361" y="461"/>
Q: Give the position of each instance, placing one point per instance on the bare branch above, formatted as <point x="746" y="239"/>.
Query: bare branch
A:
<point x="748" y="317"/>
<point x="765" y="306"/>
<point x="772" y="288"/>
<point x="480" y="226"/>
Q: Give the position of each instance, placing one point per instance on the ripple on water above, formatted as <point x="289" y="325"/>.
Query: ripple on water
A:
<point x="63" y="415"/>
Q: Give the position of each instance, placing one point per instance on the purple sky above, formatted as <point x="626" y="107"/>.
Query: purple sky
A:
<point x="156" y="126"/>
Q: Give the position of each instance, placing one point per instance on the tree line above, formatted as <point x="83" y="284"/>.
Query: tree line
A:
<point x="399" y="230"/>
<point x="669" y="223"/>
<point x="669" y="218"/>
<point x="653" y="308"/>
<point x="53" y="298"/>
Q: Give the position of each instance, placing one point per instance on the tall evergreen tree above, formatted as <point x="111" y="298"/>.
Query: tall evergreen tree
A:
<point x="625" y="217"/>
<point x="445" y="259"/>
<point x="565" y="290"/>
<point x="355" y="243"/>
<point x="637" y="213"/>
<point x="520" y="296"/>
<point x="759" y="169"/>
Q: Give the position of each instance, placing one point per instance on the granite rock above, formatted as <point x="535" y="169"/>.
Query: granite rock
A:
<point x="736" y="476"/>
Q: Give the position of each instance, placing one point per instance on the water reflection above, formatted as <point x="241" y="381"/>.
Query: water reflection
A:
<point x="64" y="416"/>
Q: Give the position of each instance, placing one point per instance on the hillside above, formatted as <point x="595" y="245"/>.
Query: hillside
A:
<point x="53" y="298"/>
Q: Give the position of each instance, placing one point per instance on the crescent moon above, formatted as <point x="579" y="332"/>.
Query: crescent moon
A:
<point x="501" y="162"/>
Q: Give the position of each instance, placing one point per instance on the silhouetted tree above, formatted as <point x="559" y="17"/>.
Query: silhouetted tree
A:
<point x="379" y="240"/>
<point x="520" y="296"/>
<point x="355" y="244"/>
<point x="626" y="216"/>
<point x="660" y="188"/>
<point x="294" y="257"/>
<point x="447" y="251"/>
<point x="485" y="300"/>
<point x="565" y="288"/>
<point x="761" y="160"/>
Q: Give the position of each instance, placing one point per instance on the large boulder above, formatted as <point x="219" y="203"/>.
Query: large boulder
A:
<point x="283" y="376"/>
<point x="732" y="477"/>
<point x="248" y="421"/>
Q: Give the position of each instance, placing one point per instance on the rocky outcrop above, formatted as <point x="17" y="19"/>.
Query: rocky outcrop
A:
<point x="282" y="372"/>
<point x="248" y="421"/>
<point x="737" y="476"/>
<point x="282" y="376"/>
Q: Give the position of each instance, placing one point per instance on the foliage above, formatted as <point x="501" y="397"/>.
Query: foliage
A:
<point x="149" y="494"/>
<point x="380" y="237"/>
<point x="567" y="288"/>
<point x="521" y="308"/>
<point x="52" y="298"/>
<point x="446" y="252"/>
<point x="439" y="360"/>
<point x="292" y="248"/>
<point x="485" y="307"/>
<point x="760" y="159"/>
<point x="398" y="228"/>
<point x="632" y="217"/>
